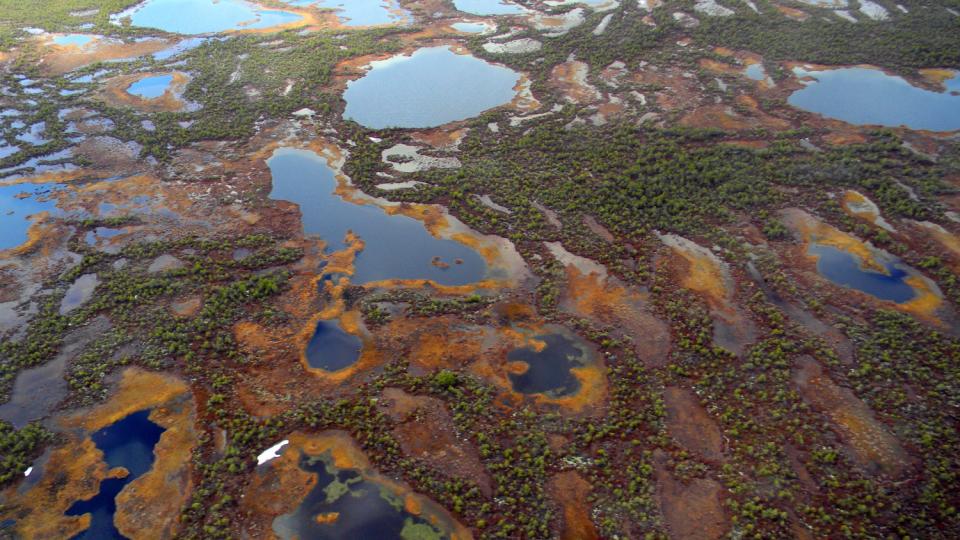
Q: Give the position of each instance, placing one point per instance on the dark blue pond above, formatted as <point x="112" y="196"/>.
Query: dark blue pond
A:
<point x="844" y="269"/>
<point x="366" y="510"/>
<point x="429" y="88"/>
<point x="331" y="348"/>
<point x="549" y="369"/>
<point x="127" y="443"/>
<point x="871" y="97"/>
<point x="396" y="247"/>
<point x="17" y="203"/>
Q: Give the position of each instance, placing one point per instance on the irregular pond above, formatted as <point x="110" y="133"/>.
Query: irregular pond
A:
<point x="548" y="370"/>
<point x="360" y="12"/>
<point x="429" y="88"/>
<point x="150" y="87"/>
<point x="127" y="443"/>
<point x="17" y="203"/>
<point x="471" y="27"/>
<point x="870" y="96"/>
<point x="345" y="504"/>
<point x="203" y="16"/>
<point x="331" y="348"/>
<point x="396" y="246"/>
<point x="489" y="7"/>
<point x="79" y="292"/>
<point x="845" y="269"/>
<point x="77" y="40"/>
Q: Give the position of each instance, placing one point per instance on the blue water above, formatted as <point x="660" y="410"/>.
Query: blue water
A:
<point x="549" y="369"/>
<point x="844" y="269"/>
<point x="430" y="88"/>
<point x="180" y="47"/>
<point x="395" y="246"/>
<point x="489" y="7"/>
<point x="204" y="16"/>
<point x="756" y="72"/>
<point x="331" y="348"/>
<point x="365" y="509"/>
<point x="360" y="12"/>
<point x="150" y="87"/>
<point x="14" y="210"/>
<point x="871" y="97"/>
<point x="128" y="443"/>
<point x="469" y="27"/>
<point x="73" y="39"/>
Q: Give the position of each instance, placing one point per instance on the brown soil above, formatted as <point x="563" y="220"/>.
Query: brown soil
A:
<point x="689" y="423"/>
<point x="692" y="510"/>
<point x="871" y="445"/>
<point x="426" y="431"/>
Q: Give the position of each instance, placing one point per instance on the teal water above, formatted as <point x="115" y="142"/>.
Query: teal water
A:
<point x="470" y="27"/>
<point x="73" y="39"/>
<point x="360" y="12"/>
<point x="871" y="97"/>
<point x="489" y="7"/>
<point x="203" y="16"/>
<point x="396" y="247"/>
<point x="331" y="348"/>
<point x="429" y="88"/>
<point x="844" y="269"/>
<point x="150" y="87"/>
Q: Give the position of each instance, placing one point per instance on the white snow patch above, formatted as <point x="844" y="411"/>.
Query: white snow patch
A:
<point x="604" y="23"/>
<point x="414" y="162"/>
<point x="874" y="10"/>
<point x="712" y="9"/>
<point x="517" y="46"/>
<point x="271" y="453"/>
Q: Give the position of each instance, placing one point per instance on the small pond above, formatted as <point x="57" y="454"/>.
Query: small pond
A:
<point x="203" y="16"/>
<point x="844" y="269"/>
<point x="150" y="87"/>
<point x="79" y="292"/>
<point x="127" y="443"/>
<point x="867" y="96"/>
<point x="360" y="12"/>
<point x="363" y="508"/>
<point x="331" y="348"/>
<point x="429" y="88"/>
<point x="489" y="7"/>
<point x="77" y="40"/>
<point x="17" y="203"/>
<point x="471" y="27"/>
<point x="548" y="369"/>
<point x="396" y="246"/>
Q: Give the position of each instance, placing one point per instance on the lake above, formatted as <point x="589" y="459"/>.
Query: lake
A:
<point x="429" y="88"/>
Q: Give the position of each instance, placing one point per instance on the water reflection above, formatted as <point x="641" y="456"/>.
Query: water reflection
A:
<point x="395" y="246"/>
<point x="429" y="88"/>
<point x="869" y="96"/>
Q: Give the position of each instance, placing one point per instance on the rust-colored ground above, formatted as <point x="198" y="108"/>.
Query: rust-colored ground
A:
<point x="692" y="510"/>
<point x="691" y="426"/>
<point x="570" y="491"/>
<point x="871" y="445"/>
<point x="426" y="431"/>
